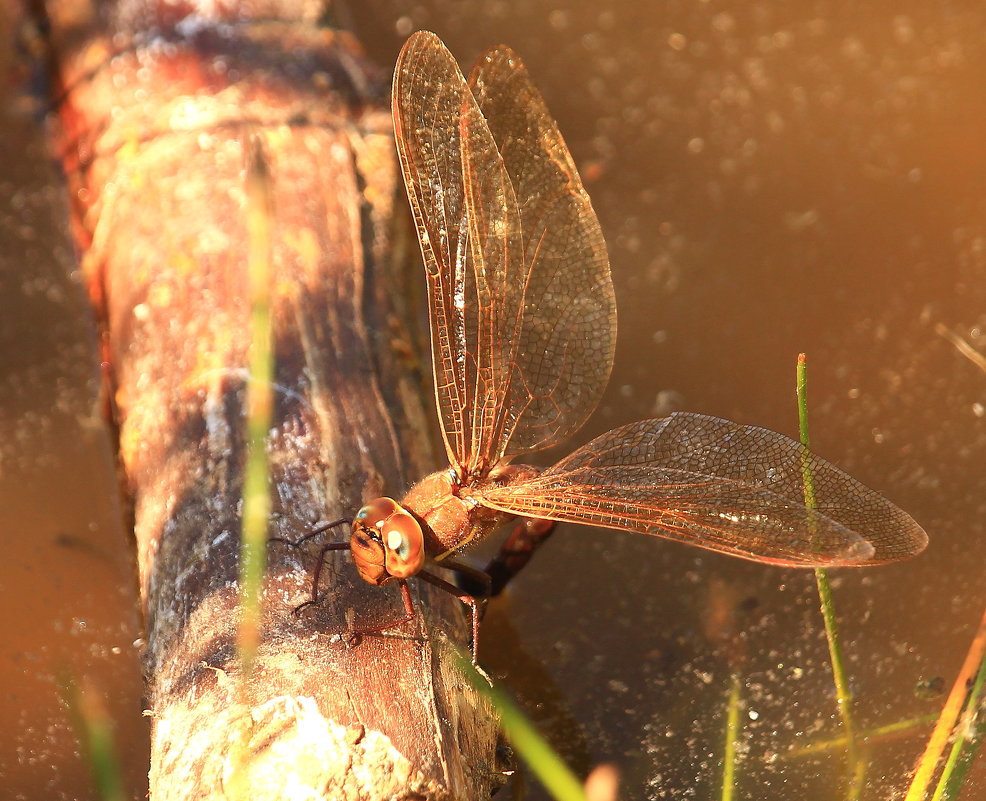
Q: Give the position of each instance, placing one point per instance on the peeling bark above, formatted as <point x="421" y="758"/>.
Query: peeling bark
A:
<point x="155" y="113"/>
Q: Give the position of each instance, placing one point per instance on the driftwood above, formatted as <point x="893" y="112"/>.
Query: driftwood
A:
<point x="156" y="111"/>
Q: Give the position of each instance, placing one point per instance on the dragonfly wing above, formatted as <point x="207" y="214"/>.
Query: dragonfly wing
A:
<point x="718" y="485"/>
<point x="564" y="354"/>
<point x="468" y="227"/>
<point x="523" y="318"/>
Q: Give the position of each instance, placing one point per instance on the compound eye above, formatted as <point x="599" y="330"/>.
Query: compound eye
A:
<point x="405" y="545"/>
<point x="376" y="512"/>
<point x="398" y="543"/>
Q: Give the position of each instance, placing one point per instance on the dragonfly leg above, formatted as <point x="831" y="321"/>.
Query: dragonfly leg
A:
<point x="315" y="598"/>
<point x="528" y="535"/>
<point x="463" y="596"/>
<point x="310" y="535"/>
<point x="475" y="581"/>
<point x="409" y="613"/>
<point x="317" y="574"/>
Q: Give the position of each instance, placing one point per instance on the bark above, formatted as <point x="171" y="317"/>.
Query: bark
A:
<point x="156" y="108"/>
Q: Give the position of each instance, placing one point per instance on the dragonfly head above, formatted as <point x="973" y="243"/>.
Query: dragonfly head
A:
<point x="386" y="542"/>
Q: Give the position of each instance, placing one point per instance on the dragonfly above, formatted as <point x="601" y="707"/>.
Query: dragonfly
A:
<point x="523" y="327"/>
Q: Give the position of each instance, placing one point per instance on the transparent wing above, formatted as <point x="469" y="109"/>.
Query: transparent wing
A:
<point x="568" y="330"/>
<point x="468" y="227"/>
<point x="521" y="302"/>
<point x="721" y="486"/>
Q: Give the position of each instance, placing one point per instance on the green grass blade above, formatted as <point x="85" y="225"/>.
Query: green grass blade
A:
<point x="950" y="713"/>
<point x="259" y="405"/>
<point x="94" y="730"/>
<point x="968" y="740"/>
<point x="732" y="738"/>
<point x="842" y="692"/>
<point x="870" y="736"/>
<point x="549" y="768"/>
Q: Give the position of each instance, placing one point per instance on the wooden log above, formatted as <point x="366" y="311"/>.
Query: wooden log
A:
<point x="156" y="108"/>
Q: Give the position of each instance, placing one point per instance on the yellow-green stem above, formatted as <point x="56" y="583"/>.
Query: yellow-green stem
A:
<point x="870" y="735"/>
<point x="948" y="717"/>
<point x="967" y="741"/>
<point x="549" y="768"/>
<point x="259" y="400"/>
<point x="842" y="693"/>
<point x="732" y="737"/>
<point x="94" y="729"/>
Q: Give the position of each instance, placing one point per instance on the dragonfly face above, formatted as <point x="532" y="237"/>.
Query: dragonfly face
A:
<point x="386" y="542"/>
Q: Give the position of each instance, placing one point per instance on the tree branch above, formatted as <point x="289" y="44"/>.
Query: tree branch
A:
<point x="154" y="129"/>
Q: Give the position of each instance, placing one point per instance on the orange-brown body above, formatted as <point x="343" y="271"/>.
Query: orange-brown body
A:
<point x="450" y="519"/>
<point x="391" y="541"/>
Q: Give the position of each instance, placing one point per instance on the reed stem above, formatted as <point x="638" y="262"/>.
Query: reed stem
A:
<point x="94" y="730"/>
<point x="950" y="714"/>
<point x="842" y="692"/>
<point x="259" y="405"/>
<point x="968" y="739"/>
<point x="732" y="737"/>
<point x="870" y="736"/>
<point x="549" y="768"/>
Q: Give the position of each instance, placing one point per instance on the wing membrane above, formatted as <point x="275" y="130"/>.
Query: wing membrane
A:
<point x="521" y="302"/>
<point x="721" y="486"/>
<point x="568" y="331"/>
<point x="469" y="230"/>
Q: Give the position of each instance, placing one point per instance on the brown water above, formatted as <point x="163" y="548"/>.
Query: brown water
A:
<point x="67" y="583"/>
<point x="772" y="178"/>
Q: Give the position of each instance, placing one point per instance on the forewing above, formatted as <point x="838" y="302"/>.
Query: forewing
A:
<point x="718" y="485"/>
<point x="567" y="335"/>
<point x="468" y="226"/>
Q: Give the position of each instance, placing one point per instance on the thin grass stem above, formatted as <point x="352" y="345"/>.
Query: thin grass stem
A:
<point x="968" y="740"/>
<point x="949" y="716"/>
<point x="869" y="736"/>
<point x="259" y="404"/>
<point x="94" y="729"/>
<point x="842" y="692"/>
<point x="732" y="738"/>
<point x="549" y="768"/>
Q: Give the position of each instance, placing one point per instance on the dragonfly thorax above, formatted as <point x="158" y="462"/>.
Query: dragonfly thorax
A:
<point x="450" y="517"/>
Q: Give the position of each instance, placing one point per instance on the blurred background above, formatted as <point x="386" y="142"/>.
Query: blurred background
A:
<point x="771" y="178"/>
